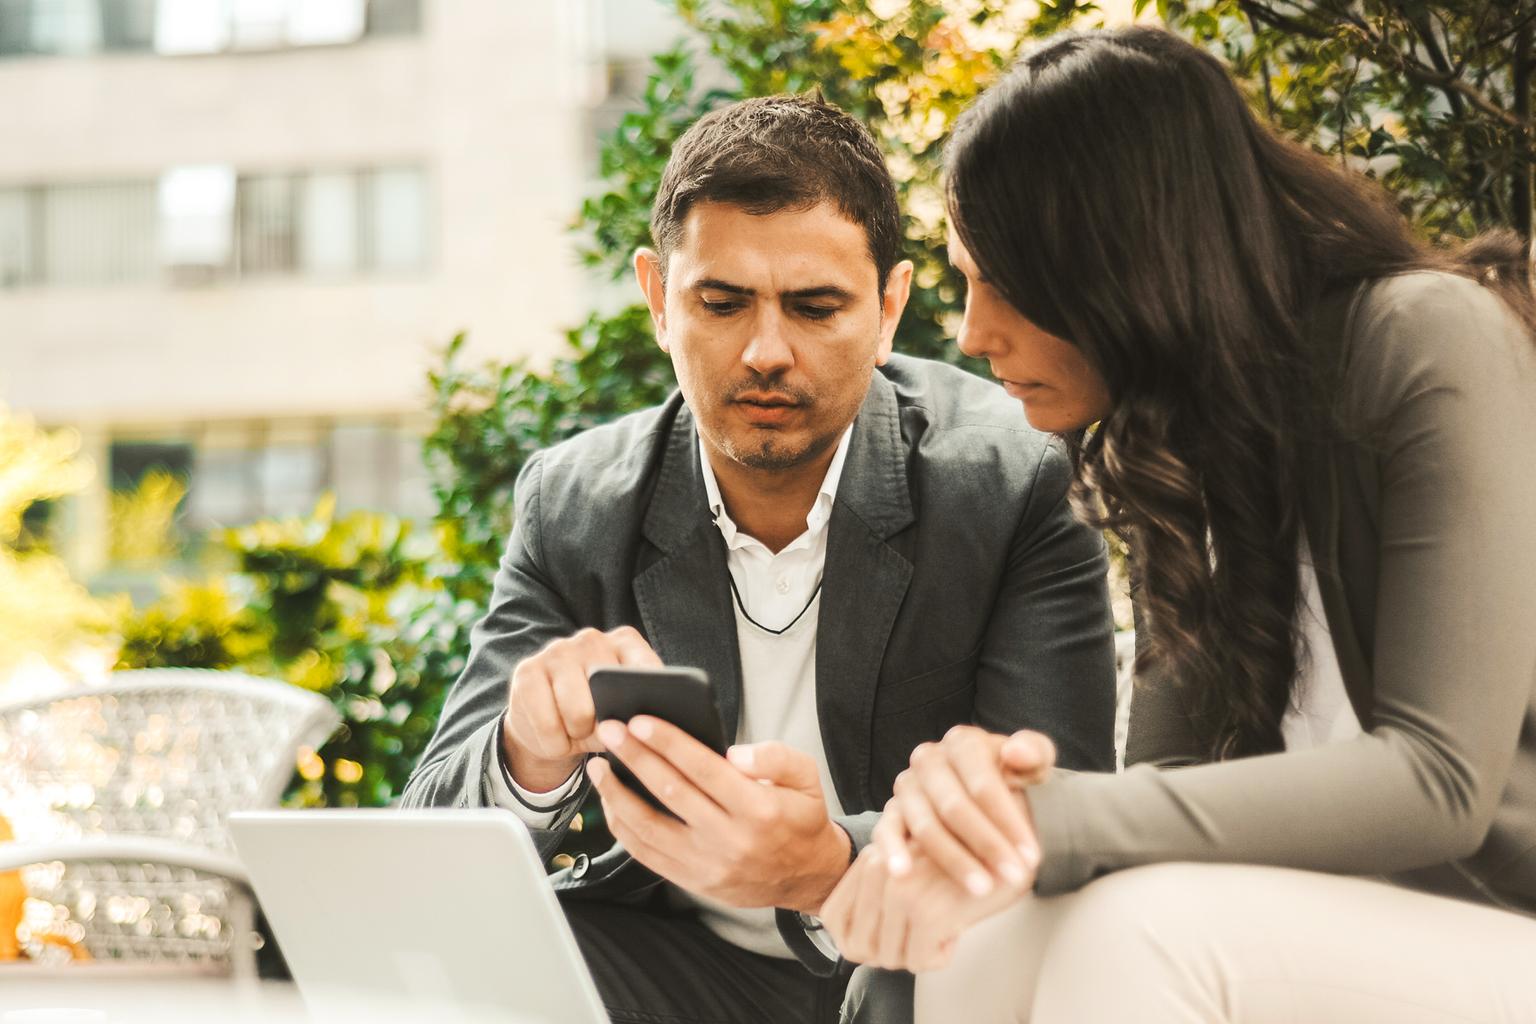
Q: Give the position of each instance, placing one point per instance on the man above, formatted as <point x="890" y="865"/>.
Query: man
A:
<point x="862" y="550"/>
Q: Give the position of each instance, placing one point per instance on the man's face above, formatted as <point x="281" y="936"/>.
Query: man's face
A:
<point x="774" y="324"/>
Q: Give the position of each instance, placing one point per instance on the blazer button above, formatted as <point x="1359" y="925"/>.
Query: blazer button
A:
<point x="580" y="865"/>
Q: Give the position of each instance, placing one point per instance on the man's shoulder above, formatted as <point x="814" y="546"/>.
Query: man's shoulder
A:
<point x="946" y="408"/>
<point x="609" y="461"/>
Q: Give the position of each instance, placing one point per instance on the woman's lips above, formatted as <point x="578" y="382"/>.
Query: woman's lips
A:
<point x="1021" y="389"/>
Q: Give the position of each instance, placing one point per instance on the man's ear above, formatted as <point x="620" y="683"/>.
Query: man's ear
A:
<point x="648" y="275"/>
<point x="893" y="302"/>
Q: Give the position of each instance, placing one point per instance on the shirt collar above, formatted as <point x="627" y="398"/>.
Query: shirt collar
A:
<point x="815" y="520"/>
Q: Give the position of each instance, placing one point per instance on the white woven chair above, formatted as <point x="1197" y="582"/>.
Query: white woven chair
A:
<point x="119" y="796"/>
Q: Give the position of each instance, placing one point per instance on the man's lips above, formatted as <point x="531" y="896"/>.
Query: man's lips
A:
<point x="765" y="409"/>
<point x="765" y="399"/>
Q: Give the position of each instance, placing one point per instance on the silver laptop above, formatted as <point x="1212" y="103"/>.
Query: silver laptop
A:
<point x="437" y="914"/>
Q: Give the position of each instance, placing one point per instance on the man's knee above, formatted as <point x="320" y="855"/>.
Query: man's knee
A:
<point x="876" y="996"/>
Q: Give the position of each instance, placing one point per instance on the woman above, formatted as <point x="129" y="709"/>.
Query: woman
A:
<point x="1318" y="438"/>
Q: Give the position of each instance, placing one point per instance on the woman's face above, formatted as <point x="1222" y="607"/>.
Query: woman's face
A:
<point x="1060" y="390"/>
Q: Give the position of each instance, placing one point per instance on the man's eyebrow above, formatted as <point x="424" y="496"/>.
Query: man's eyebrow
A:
<point x="824" y="291"/>
<point x="820" y="291"/>
<point x="714" y="284"/>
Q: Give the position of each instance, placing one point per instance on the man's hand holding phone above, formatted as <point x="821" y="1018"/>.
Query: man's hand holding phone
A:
<point x="751" y="828"/>
<point x="551" y="725"/>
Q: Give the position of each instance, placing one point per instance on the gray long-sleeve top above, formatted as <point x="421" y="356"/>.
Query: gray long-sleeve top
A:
<point x="1423" y="526"/>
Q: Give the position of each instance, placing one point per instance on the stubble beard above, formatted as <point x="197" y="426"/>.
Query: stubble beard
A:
<point x="772" y="456"/>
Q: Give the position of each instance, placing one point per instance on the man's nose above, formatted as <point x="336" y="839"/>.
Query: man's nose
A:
<point x="769" y="351"/>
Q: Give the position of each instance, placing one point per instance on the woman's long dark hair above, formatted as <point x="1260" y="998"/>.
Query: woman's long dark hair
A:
<point x="1120" y="194"/>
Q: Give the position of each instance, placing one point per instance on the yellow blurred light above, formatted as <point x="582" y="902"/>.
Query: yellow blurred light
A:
<point x="311" y="766"/>
<point x="347" y="771"/>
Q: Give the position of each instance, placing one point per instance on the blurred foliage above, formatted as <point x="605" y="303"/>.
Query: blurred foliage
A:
<point x="194" y="624"/>
<point x="142" y="521"/>
<point x="45" y="616"/>
<point x="1433" y="99"/>
<point x="489" y="419"/>
<point x="348" y="606"/>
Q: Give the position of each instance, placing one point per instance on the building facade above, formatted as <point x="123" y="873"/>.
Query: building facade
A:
<point x="234" y="234"/>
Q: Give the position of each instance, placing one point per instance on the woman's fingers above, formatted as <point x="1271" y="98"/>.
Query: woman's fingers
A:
<point x="1010" y="834"/>
<point x="933" y="837"/>
<point x="895" y="922"/>
<point x="868" y="911"/>
<point x="890" y="838"/>
<point x="992" y="829"/>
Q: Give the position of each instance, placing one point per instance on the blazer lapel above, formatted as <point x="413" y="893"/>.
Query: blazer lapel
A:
<point x="863" y="585"/>
<point x="684" y="596"/>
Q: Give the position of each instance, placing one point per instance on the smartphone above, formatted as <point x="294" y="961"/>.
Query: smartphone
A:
<point x="682" y="696"/>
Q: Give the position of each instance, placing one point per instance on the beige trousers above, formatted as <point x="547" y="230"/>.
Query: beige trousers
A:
<point x="1225" y="942"/>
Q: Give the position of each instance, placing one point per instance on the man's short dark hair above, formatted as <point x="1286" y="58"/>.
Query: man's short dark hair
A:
<point x="780" y="153"/>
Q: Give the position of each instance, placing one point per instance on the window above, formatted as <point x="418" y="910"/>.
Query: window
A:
<point x="328" y="211"/>
<point x="98" y="234"/>
<point x="196" y="206"/>
<point x="15" y="27"/>
<point x="394" y="17"/>
<point x="243" y="471"/>
<point x="290" y="470"/>
<point x="128" y="25"/>
<point x="326" y="22"/>
<point x="260" y="24"/>
<point x="199" y="222"/>
<point x="68" y="27"/>
<point x="192" y="26"/>
<point x="395" y="216"/>
<point x="132" y="460"/>
<point x="18" y="237"/>
<point x="267" y="225"/>
<point x="183" y="27"/>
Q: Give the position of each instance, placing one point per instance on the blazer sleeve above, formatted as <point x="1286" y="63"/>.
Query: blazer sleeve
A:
<point x="526" y="612"/>
<point x="1447" y="375"/>
<point x="1048" y="655"/>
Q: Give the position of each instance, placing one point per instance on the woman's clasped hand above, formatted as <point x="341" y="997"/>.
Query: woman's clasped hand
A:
<point x="956" y="844"/>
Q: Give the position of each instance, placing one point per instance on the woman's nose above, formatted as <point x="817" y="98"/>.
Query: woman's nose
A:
<point x="972" y="338"/>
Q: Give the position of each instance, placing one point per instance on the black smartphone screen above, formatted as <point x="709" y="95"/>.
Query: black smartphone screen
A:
<point x="682" y="696"/>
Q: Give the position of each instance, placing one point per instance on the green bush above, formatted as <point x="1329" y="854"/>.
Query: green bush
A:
<point x="351" y="607"/>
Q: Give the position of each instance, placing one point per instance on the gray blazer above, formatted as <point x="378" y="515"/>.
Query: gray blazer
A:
<point x="957" y="589"/>
<point x="1421" y="527"/>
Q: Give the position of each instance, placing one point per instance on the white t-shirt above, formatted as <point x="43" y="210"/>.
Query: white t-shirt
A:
<point x="1319" y="711"/>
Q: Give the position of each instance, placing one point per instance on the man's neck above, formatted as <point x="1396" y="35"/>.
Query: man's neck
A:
<point x="770" y="505"/>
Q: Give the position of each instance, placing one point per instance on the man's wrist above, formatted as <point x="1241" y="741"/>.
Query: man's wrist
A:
<point x="534" y="774"/>
<point x="835" y="853"/>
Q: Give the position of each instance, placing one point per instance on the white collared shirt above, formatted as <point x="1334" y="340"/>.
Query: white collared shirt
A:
<point x="775" y="592"/>
<point x="781" y="592"/>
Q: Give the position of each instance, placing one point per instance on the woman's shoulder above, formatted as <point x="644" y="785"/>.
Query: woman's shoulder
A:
<point x="1429" y="329"/>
